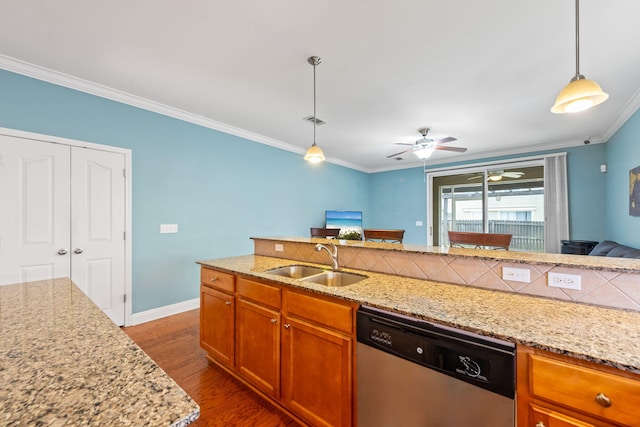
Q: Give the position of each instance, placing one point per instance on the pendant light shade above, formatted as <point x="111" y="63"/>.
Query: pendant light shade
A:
<point x="581" y="93"/>
<point x="314" y="153"/>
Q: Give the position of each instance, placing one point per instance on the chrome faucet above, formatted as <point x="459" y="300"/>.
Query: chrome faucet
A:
<point x="333" y="253"/>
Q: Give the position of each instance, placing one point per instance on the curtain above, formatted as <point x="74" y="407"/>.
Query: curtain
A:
<point x="556" y="206"/>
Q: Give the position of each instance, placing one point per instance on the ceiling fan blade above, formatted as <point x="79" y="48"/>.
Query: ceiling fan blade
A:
<point x="475" y="177"/>
<point x="456" y="149"/>
<point x="513" y="174"/>
<point x="404" y="143"/>
<point x="444" y="140"/>
<point x="402" y="152"/>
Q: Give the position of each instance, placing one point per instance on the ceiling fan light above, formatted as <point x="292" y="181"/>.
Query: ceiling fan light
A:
<point x="579" y="95"/>
<point x="424" y="153"/>
<point x="494" y="178"/>
<point x="314" y="154"/>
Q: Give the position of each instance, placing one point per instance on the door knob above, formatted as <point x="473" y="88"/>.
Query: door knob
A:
<point x="62" y="252"/>
<point x="77" y="251"/>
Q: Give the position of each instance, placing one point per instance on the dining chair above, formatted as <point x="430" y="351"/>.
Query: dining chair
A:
<point x="479" y="240"/>
<point x="382" y="235"/>
<point x="325" y="232"/>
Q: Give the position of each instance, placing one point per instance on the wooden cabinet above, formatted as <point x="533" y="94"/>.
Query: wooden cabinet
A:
<point x="258" y="335"/>
<point x="217" y="324"/>
<point x="317" y="360"/>
<point x="558" y="391"/>
<point x="293" y="347"/>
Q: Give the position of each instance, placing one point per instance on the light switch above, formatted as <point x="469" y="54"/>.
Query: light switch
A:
<point x="279" y="247"/>
<point x="516" y="274"/>
<point x="418" y="223"/>
<point x="168" y="228"/>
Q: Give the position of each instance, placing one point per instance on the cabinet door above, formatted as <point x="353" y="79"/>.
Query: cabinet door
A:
<point x="217" y="324"/>
<point x="316" y="373"/>
<point x="258" y="346"/>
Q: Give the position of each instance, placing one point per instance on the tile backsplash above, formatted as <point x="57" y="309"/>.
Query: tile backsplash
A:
<point x="599" y="287"/>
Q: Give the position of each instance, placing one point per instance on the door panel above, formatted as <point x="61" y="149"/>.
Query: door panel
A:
<point x="98" y="225"/>
<point x="34" y="225"/>
<point x="63" y="214"/>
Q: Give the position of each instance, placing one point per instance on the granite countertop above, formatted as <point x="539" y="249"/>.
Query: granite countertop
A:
<point x="64" y="362"/>
<point x="626" y="265"/>
<point x="602" y="335"/>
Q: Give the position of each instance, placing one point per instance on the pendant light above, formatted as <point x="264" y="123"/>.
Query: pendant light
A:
<point x="581" y="93"/>
<point x="314" y="153"/>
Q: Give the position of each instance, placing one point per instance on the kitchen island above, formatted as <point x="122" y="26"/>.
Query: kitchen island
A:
<point x="602" y="335"/>
<point x="64" y="362"/>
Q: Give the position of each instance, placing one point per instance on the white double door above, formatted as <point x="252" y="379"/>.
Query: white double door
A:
<point x="62" y="212"/>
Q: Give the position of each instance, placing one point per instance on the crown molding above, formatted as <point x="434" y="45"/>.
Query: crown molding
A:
<point x="61" y="79"/>
<point x="628" y="110"/>
<point x="499" y="153"/>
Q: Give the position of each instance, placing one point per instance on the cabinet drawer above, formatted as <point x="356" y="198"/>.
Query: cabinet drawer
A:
<point x="577" y="387"/>
<point x="327" y="313"/>
<point x="259" y="292"/>
<point x="217" y="279"/>
<point x="550" y="418"/>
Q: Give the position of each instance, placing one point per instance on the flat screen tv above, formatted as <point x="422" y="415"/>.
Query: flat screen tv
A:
<point x="346" y="221"/>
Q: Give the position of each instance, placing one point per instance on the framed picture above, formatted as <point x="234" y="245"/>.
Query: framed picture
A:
<point x="634" y="191"/>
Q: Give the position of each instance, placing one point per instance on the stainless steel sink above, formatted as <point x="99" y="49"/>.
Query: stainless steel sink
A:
<point x="335" y="278"/>
<point x="296" y="271"/>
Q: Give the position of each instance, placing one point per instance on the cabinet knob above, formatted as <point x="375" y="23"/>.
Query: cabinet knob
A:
<point x="78" y="251"/>
<point x="214" y="279"/>
<point x="540" y="424"/>
<point x="603" y="400"/>
<point x="287" y="326"/>
<point x="274" y="320"/>
<point x="228" y="302"/>
<point x="62" y="252"/>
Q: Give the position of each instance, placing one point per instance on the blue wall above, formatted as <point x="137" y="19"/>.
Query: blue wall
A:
<point x="219" y="189"/>
<point x="398" y="198"/>
<point x="623" y="154"/>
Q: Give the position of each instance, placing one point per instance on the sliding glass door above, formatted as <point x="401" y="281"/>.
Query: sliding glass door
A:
<point x="509" y="200"/>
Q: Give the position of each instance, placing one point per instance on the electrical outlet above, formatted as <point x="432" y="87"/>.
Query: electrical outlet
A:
<point x="567" y="281"/>
<point x="418" y="223"/>
<point x="168" y="228"/>
<point x="516" y="274"/>
<point x="279" y="247"/>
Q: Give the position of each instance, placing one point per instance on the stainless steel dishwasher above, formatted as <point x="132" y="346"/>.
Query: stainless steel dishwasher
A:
<point x="412" y="373"/>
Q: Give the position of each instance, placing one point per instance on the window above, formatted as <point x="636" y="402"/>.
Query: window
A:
<point x="493" y="199"/>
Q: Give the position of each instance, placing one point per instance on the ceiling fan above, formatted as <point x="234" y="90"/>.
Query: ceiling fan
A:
<point x="424" y="147"/>
<point x="497" y="175"/>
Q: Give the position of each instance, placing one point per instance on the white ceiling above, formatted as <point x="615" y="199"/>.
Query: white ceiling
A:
<point x="485" y="72"/>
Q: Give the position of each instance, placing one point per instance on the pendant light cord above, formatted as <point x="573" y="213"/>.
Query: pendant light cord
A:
<point x="315" y="119"/>
<point x="577" y="39"/>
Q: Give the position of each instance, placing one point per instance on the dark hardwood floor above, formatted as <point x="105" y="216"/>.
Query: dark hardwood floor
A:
<point x="173" y="343"/>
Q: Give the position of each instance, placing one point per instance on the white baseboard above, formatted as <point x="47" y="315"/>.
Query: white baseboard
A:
<point x="167" y="310"/>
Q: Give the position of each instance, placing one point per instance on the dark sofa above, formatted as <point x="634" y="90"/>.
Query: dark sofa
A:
<point x="614" y="249"/>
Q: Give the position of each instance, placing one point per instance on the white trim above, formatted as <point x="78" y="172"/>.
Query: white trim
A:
<point x="61" y="79"/>
<point x="167" y="310"/>
<point x="128" y="194"/>
<point x="515" y="162"/>
<point x="627" y="112"/>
